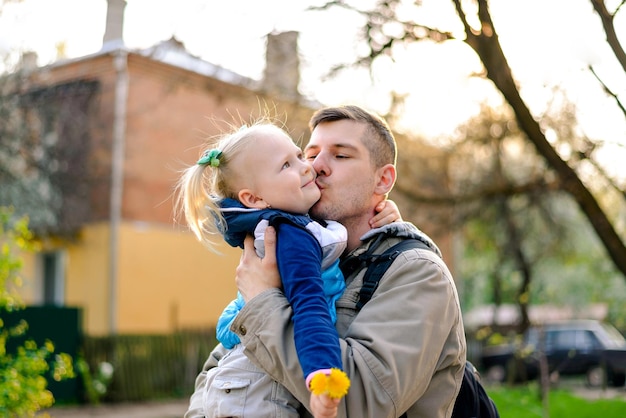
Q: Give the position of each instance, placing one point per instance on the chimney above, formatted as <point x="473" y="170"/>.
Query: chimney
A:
<point x="115" y="22"/>
<point x="28" y="61"/>
<point x="282" y="65"/>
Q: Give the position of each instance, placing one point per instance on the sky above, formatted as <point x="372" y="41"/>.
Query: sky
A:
<point x="547" y="43"/>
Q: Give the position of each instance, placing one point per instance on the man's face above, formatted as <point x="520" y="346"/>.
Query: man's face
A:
<point x="345" y="173"/>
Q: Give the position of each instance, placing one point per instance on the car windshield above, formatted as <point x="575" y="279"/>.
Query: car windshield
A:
<point x="615" y="339"/>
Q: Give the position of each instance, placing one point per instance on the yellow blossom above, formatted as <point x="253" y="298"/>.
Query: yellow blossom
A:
<point x="335" y="384"/>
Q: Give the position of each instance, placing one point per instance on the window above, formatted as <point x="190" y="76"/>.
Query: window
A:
<point x="586" y="340"/>
<point x="53" y="278"/>
<point x="561" y="339"/>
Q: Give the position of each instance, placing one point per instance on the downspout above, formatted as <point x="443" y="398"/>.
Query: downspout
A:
<point x="120" y="62"/>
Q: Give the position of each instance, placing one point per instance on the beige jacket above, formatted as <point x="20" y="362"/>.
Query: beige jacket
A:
<point x="404" y="351"/>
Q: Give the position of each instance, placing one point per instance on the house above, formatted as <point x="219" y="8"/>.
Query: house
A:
<point x="112" y="131"/>
<point x="119" y="125"/>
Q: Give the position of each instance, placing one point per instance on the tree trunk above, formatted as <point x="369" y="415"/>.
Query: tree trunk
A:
<point x="486" y="44"/>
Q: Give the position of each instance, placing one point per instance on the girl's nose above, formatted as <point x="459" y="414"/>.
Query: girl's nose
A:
<point x="306" y="167"/>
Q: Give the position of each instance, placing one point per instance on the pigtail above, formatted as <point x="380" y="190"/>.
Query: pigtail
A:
<point x="202" y="185"/>
<point x="198" y="203"/>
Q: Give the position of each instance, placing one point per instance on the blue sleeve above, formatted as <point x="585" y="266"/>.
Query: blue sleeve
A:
<point x="299" y="263"/>
<point x="334" y="284"/>
<point x="224" y="335"/>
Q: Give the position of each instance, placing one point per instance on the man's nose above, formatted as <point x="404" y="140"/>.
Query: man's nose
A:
<point x="320" y="166"/>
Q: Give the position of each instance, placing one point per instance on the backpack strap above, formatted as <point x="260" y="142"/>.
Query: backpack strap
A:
<point x="377" y="265"/>
<point x="472" y="400"/>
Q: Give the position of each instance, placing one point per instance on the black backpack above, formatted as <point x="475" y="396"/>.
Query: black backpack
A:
<point x="472" y="400"/>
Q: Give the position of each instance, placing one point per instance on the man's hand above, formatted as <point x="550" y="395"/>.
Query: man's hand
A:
<point x="255" y="275"/>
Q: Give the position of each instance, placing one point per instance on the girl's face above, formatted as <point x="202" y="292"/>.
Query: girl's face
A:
<point x="275" y="174"/>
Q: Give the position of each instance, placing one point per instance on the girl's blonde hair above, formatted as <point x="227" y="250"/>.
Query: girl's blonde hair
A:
<point x="202" y="185"/>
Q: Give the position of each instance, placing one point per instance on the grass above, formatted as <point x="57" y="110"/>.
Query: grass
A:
<point x="524" y="402"/>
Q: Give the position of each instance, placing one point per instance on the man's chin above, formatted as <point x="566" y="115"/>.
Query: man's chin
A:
<point x="317" y="211"/>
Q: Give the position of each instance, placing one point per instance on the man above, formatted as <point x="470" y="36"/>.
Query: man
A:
<point x="404" y="351"/>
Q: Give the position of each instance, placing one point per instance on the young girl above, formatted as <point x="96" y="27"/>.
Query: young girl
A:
<point x="253" y="178"/>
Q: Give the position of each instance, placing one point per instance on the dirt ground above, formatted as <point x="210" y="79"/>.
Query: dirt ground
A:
<point x="162" y="409"/>
<point x="593" y="394"/>
<point x="177" y="407"/>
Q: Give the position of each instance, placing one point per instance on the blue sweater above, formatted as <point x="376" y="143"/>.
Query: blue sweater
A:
<point x="304" y="248"/>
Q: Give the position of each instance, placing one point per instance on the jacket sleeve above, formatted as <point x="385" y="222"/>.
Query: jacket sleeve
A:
<point x="403" y="352"/>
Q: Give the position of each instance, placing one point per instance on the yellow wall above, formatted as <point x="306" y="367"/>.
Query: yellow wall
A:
<point x="86" y="274"/>
<point x="86" y="277"/>
<point x="169" y="281"/>
<point x="166" y="279"/>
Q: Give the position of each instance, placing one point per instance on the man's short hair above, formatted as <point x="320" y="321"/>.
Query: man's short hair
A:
<point x="378" y="138"/>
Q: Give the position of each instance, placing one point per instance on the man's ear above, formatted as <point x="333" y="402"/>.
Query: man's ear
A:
<point x="386" y="180"/>
<point x="251" y="200"/>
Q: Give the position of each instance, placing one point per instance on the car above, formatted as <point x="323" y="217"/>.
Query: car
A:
<point x="579" y="347"/>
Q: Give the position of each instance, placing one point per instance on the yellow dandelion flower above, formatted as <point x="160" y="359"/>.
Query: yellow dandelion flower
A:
<point x="335" y="384"/>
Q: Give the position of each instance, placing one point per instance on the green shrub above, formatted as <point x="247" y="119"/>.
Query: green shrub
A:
<point x="23" y="385"/>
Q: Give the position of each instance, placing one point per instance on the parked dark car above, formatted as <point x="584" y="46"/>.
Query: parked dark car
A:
<point x="582" y="347"/>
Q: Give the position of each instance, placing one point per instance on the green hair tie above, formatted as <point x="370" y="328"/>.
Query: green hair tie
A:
<point x="211" y="157"/>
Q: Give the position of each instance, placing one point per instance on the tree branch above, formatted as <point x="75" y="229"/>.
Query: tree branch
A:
<point x="609" y="30"/>
<point x="608" y="90"/>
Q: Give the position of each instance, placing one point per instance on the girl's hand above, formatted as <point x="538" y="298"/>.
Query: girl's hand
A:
<point x="386" y="212"/>
<point x="323" y="406"/>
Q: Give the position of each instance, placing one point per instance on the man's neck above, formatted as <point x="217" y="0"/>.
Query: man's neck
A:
<point x="356" y="228"/>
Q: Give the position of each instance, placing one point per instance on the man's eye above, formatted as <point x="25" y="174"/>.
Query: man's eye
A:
<point x="310" y="157"/>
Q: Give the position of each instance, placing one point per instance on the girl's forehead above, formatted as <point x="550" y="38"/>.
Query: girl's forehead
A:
<point x="269" y="146"/>
<point x="274" y="138"/>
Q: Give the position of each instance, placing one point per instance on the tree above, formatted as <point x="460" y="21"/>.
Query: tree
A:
<point x="44" y="152"/>
<point x="484" y="41"/>
<point x="524" y="239"/>
<point x="389" y="26"/>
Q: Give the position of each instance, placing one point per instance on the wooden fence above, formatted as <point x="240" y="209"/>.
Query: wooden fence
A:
<point x="149" y="367"/>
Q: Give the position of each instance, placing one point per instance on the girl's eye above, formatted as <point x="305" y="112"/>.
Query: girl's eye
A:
<point x="286" y="165"/>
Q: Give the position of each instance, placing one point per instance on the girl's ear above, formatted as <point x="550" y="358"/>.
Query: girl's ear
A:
<point x="251" y="200"/>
